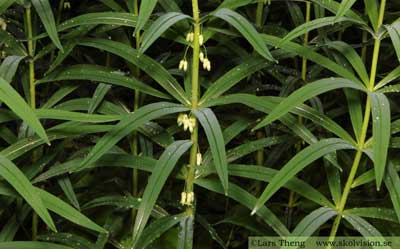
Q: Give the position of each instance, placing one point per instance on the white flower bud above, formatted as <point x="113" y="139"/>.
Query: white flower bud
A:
<point x="199" y="159"/>
<point x="192" y="124"/>
<point x="201" y="56"/>
<point x="201" y="40"/>
<point x="3" y="24"/>
<point x="185" y="65"/>
<point x="183" y="198"/>
<point x="189" y="198"/>
<point x="181" y="119"/>
<point x="67" y="5"/>
<point x="190" y="37"/>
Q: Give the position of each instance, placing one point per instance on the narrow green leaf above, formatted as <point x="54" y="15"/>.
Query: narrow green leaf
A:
<point x="75" y="116"/>
<point x="392" y="181"/>
<point x="242" y="196"/>
<point x="375" y="213"/>
<point x="108" y="18"/>
<point x="364" y="228"/>
<point x="381" y="133"/>
<point x="246" y="68"/>
<point x="67" y="239"/>
<point x="262" y="173"/>
<point x="65" y="210"/>
<point x="12" y="46"/>
<point x="306" y="92"/>
<point x="127" y="125"/>
<point x="68" y="189"/>
<point x="371" y="8"/>
<point x="246" y="29"/>
<point x="309" y="224"/>
<point x="394" y="33"/>
<point x="145" y="63"/>
<point x="393" y="75"/>
<point x="43" y="8"/>
<point x="163" y="23"/>
<point x="96" y="74"/>
<point x="213" y="131"/>
<point x="299" y="162"/>
<point x="156" y="229"/>
<point x="160" y="174"/>
<point x="18" y="105"/>
<point x="345" y="5"/>
<point x="9" y="67"/>
<point x="311" y="55"/>
<point x="354" y="106"/>
<point x="315" y="24"/>
<point x="352" y="56"/>
<point x="145" y="11"/>
<point x="98" y="96"/>
<point x="13" y="175"/>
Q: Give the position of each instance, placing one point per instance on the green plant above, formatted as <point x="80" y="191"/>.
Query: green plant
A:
<point x="150" y="124"/>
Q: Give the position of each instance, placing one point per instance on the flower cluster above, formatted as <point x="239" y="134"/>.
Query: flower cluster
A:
<point x="187" y="198"/>
<point x="187" y="122"/>
<point x="183" y="64"/>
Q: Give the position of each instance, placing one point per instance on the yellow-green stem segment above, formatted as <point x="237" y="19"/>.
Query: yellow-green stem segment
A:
<point x="195" y="99"/>
<point x="342" y="203"/>
<point x="32" y="91"/>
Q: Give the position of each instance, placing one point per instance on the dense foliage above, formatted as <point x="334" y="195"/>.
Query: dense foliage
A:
<point x="195" y="124"/>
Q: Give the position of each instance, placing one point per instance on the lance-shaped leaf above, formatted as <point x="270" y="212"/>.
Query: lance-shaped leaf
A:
<point x="308" y="91"/>
<point x="97" y="73"/>
<point x="146" y="8"/>
<point x="65" y="210"/>
<point x="160" y="174"/>
<point x="127" y="125"/>
<point x="110" y="18"/>
<point x="17" y="104"/>
<point x="163" y="23"/>
<point x="364" y="227"/>
<point x="9" y="67"/>
<point x="309" y="224"/>
<point x="371" y="8"/>
<point x="298" y="163"/>
<point x="248" y="200"/>
<point x="392" y="183"/>
<point x="394" y="33"/>
<point x="345" y="5"/>
<point x="233" y="76"/>
<point x="315" y="24"/>
<point x="14" y="176"/>
<point x="145" y="63"/>
<point x="156" y="229"/>
<point x="43" y="8"/>
<point x="246" y="29"/>
<point x="213" y="131"/>
<point x="381" y="133"/>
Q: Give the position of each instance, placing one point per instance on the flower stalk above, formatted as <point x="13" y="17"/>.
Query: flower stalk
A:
<point x="189" y="184"/>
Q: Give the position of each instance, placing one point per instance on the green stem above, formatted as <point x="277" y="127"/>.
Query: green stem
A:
<point x="364" y="130"/>
<point x="195" y="100"/>
<point x="260" y="14"/>
<point x="32" y="91"/>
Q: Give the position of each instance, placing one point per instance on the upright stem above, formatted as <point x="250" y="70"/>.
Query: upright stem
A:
<point x="260" y="14"/>
<point x="361" y="143"/>
<point x="32" y="91"/>
<point x="136" y="105"/>
<point x="195" y="100"/>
